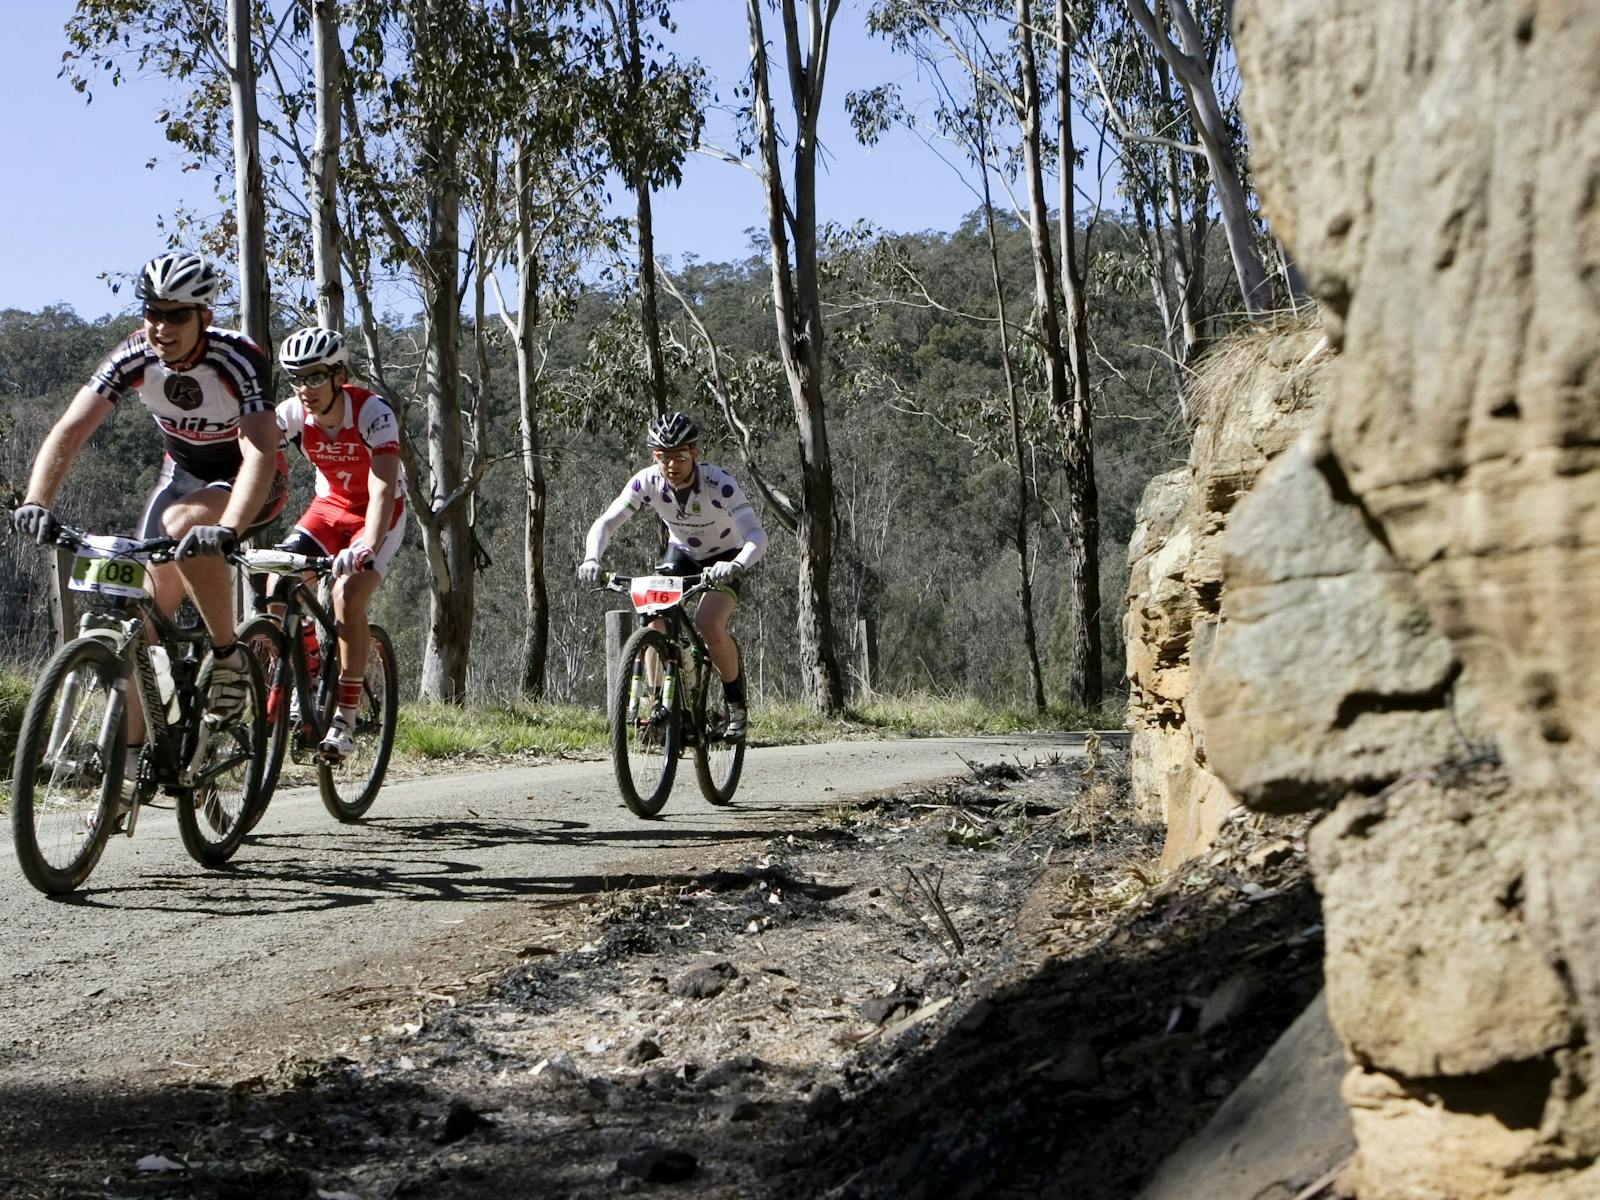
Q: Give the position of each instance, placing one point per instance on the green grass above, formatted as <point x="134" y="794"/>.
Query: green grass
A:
<point x="448" y="731"/>
<point x="441" y="732"/>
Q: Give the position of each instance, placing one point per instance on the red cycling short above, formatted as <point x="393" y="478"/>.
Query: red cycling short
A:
<point x="333" y="527"/>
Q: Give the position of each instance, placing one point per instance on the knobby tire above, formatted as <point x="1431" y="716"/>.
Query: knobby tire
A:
<point x="212" y="817"/>
<point x="645" y="742"/>
<point x="349" y="788"/>
<point x="97" y="737"/>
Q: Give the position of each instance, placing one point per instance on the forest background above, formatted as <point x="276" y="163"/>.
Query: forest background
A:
<point x="947" y="432"/>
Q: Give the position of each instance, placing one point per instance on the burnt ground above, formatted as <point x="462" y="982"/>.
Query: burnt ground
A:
<point x="981" y="989"/>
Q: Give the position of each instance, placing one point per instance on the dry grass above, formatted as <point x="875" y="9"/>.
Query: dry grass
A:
<point x="1225" y="377"/>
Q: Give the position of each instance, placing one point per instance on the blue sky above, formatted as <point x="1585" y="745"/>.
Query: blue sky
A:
<point x="81" y="199"/>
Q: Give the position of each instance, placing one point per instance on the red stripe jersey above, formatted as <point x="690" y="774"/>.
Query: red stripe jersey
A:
<point x="343" y="458"/>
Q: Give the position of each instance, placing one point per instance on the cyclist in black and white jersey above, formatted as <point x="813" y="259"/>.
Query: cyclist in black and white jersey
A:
<point x="711" y="528"/>
<point x="224" y="473"/>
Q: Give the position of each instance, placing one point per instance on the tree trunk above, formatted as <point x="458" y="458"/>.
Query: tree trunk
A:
<point x="536" y="601"/>
<point x="1030" y="636"/>
<point x="255" y="296"/>
<point x="1083" y="684"/>
<point x="1077" y="424"/>
<point x="329" y="81"/>
<point x="449" y="637"/>
<point x="1188" y="62"/>
<point x="649" y="312"/>
<point x="798" y="309"/>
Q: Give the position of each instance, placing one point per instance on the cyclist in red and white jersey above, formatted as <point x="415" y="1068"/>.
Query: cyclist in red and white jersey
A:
<point x="223" y="475"/>
<point x="358" y="517"/>
<point x="711" y="528"/>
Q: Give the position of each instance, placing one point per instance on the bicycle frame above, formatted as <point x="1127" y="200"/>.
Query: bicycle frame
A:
<point x="174" y="748"/>
<point x="662" y="598"/>
<point x="298" y="599"/>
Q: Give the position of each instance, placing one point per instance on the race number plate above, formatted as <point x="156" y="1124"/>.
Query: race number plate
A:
<point x="652" y="593"/>
<point x="108" y="576"/>
<point x="102" y="572"/>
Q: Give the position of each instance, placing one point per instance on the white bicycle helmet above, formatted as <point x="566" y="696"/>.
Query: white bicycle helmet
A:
<point x="178" y="279"/>
<point x="313" y="346"/>
<point x="672" y="430"/>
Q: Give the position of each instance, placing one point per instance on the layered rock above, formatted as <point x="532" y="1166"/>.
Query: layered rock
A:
<point x="1255" y="395"/>
<point x="1435" y="169"/>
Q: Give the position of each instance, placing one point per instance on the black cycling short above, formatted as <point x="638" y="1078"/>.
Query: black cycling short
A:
<point x="679" y="561"/>
<point x="175" y="483"/>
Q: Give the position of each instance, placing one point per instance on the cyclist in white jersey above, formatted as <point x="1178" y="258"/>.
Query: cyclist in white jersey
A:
<point x="223" y="474"/>
<point x="711" y="528"/>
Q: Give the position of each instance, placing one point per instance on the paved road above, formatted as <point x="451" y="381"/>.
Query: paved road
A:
<point x="160" y="967"/>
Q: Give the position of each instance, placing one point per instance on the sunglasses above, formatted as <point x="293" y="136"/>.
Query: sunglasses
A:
<point x="170" y="316"/>
<point x="310" y="379"/>
<point x="673" y="456"/>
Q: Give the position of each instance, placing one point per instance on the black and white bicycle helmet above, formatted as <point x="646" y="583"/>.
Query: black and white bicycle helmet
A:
<point x="178" y="279"/>
<point x="672" y="430"/>
<point x="313" y="346"/>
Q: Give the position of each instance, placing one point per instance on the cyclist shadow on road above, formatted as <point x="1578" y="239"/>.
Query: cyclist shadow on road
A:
<point x="410" y="861"/>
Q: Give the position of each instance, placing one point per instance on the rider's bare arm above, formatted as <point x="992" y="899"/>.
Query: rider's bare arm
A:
<point x="258" y="446"/>
<point x="61" y="445"/>
<point x="383" y="487"/>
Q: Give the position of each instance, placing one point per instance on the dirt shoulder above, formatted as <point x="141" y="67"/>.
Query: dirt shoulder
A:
<point x="974" y="990"/>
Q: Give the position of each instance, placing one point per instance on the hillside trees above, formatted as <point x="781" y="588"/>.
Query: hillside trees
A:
<point x="999" y="55"/>
<point x="797" y="308"/>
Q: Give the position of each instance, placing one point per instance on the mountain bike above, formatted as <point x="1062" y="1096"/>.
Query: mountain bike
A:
<point x="299" y="657"/>
<point x="67" y="791"/>
<point x="668" y="698"/>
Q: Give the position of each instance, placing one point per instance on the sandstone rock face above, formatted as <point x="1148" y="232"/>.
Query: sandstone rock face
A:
<point x="1435" y="170"/>
<point x="1329" y="676"/>
<point x="1266" y="389"/>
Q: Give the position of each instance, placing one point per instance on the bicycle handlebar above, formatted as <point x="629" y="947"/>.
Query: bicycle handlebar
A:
<point x="621" y="583"/>
<point x="154" y="550"/>
<point x="282" y="562"/>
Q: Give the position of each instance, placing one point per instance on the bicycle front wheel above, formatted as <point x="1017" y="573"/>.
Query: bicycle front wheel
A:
<point x="718" y="762"/>
<point x="351" y="785"/>
<point x="214" y="815"/>
<point x="263" y="636"/>
<point x="644" y="722"/>
<point x="69" y="766"/>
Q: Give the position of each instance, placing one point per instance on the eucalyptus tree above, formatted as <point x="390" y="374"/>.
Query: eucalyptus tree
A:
<point x="209" y="45"/>
<point x="327" y="57"/>
<point x="997" y="45"/>
<point x="797" y="307"/>
<point x="1192" y="46"/>
<point x="429" y="80"/>
<point x="963" y="114"/>
<point x="655" y="119"/>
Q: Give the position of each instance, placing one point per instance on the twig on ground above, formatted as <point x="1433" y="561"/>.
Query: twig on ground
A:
<point x="932" y="896"/>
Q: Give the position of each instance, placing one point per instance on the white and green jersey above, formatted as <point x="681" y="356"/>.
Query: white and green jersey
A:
<point x="708" y="519"/>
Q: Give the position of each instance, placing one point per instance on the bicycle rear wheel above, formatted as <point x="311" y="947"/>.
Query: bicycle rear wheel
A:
<point x="351" y="785"/>
<point x="213" y="816"/>
<point x="645" y="722"/>
<point x="263" y="636"/>
<point x="69" y="766"/>
<point x="718" y="762"/>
